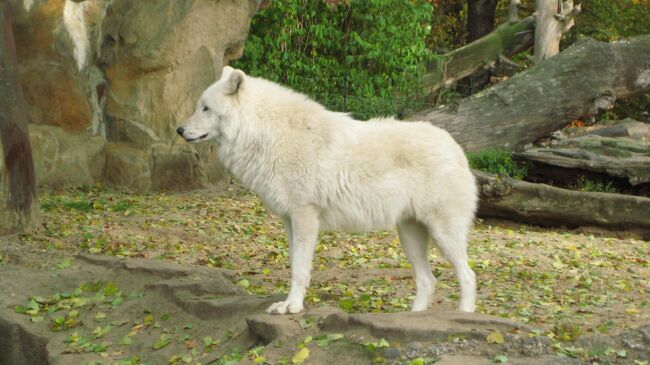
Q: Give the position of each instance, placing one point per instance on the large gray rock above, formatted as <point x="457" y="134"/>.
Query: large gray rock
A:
<point x="66" y="158"/>
<point x="55" y="56"/>
<point x="124" y="74"/>
<point x="160" y="166"/>
<point x="157" y="67"/>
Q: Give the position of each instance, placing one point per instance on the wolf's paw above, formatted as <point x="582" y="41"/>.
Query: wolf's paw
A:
<point x="286" y="307"/>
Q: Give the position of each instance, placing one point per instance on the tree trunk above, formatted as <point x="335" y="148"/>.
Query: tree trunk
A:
<point x="480" y="18"/>
<point x="578" y="82"/>
<point x="480" y="22"/>
<point x="505" y="41"/>
<point x="18" y="198"/>
<point x="554" y="18"/>
<point x="540" y="204"/>
<point x="513" y="11"/>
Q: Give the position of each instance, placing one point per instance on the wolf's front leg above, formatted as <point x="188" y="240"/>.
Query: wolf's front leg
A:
<point x="302" y="231"/>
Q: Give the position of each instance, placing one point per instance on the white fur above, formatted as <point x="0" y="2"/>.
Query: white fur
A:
<point x="321" y="170"/>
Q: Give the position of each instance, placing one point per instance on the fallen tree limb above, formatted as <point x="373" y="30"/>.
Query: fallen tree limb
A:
<point x="507" y="40"/>
<point x="579" y="81"/>
<point x="540" y="204"/>
<point x="620" y="156"/>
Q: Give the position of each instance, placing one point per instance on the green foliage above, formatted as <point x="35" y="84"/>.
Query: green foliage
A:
<point x="448" y="25"/>
<point x="593" y="186"/>
<point x="608" y="20"/>
<point x="78" y="205"/>
<point x="566" y="331"/>
<point x="366" y="57"/>
<point x="497" y="161"/>
<point x="630" y="108"/>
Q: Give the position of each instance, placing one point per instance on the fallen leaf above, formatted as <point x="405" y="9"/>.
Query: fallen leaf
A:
<point x="300" y="356"/>
<point x="495" y="337"/>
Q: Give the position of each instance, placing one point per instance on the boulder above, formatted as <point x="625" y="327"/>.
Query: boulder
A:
<point x="160" y="166"/>
<point x="66" y="158"/>
<point x="123" y="74"/>
<point x="55" y="60"/>
<point x="157" y="67"/>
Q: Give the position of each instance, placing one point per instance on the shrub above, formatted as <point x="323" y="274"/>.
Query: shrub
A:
<point x="498" y="161"/>
<point x="608" y="20"/>
<point x="361" y="56"/>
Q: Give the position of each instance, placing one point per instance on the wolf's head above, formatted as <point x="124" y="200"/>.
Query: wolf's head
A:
<point x="216" y="109"/>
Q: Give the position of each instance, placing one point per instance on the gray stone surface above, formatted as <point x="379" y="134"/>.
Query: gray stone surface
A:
<point x="191" y="303"/>
<point x="66" y="158"/>
<point x="420" y="326"/>
<point x="144" y="65"/>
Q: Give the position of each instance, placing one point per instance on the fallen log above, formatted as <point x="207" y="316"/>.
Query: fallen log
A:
<point x="505" y="41"/>
<point x="540" y="204"/>
<point x="578" y="82"/>
<point x="615" y="156"/>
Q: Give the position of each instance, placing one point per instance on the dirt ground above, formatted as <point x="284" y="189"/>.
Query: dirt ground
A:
<point x="567" y="285"/>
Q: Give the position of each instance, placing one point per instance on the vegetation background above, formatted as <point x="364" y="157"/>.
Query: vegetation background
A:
<point x="368" y="57"/>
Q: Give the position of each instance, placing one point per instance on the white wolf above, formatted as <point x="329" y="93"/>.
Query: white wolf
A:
<point x="322" y="170"/>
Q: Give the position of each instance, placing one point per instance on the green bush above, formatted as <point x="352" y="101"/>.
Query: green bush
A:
<point x="609" y="20"/>
<point x="366" y="57"/>
<point x="497" y="161"/>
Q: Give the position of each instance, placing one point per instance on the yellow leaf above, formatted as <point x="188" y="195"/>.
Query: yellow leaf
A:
<point x="300" y="356"/>
<point x="632" y="311"/>
<point x="495" y="337"/>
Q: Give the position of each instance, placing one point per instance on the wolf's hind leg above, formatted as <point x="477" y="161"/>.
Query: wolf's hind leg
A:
<point x="452" y="242"/>
<point x="414" y="238"/>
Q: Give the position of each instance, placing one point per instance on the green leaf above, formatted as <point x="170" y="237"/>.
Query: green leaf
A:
<point x="101" y="331"/>
<point x="110" y="289"/>
<point x="33" y="305"/>
<point x="243" y="283"/>
<point x="63" y="265"/>
<point x="500" y="359"/>
<point x="347" y="304"/>
<point x="382" y="343"/>
<point x="495" y="337"/>
<point x="207" y="341"/>
<point x="300" y="356"/>
<point x="163" y="341"/>
<point x="126" y="341"/>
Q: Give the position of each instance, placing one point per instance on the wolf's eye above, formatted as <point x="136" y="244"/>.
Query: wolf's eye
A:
<point x="205" y="108"/>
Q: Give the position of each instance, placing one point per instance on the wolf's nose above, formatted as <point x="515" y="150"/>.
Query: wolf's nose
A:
<point x="180" y="131"/>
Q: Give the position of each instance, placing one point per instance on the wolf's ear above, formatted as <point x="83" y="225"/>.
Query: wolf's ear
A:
<point x="225" y="72"/>
<point x="234" y="81"/>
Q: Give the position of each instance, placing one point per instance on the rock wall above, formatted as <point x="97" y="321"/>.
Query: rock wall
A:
<point x="108" y="81"/>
